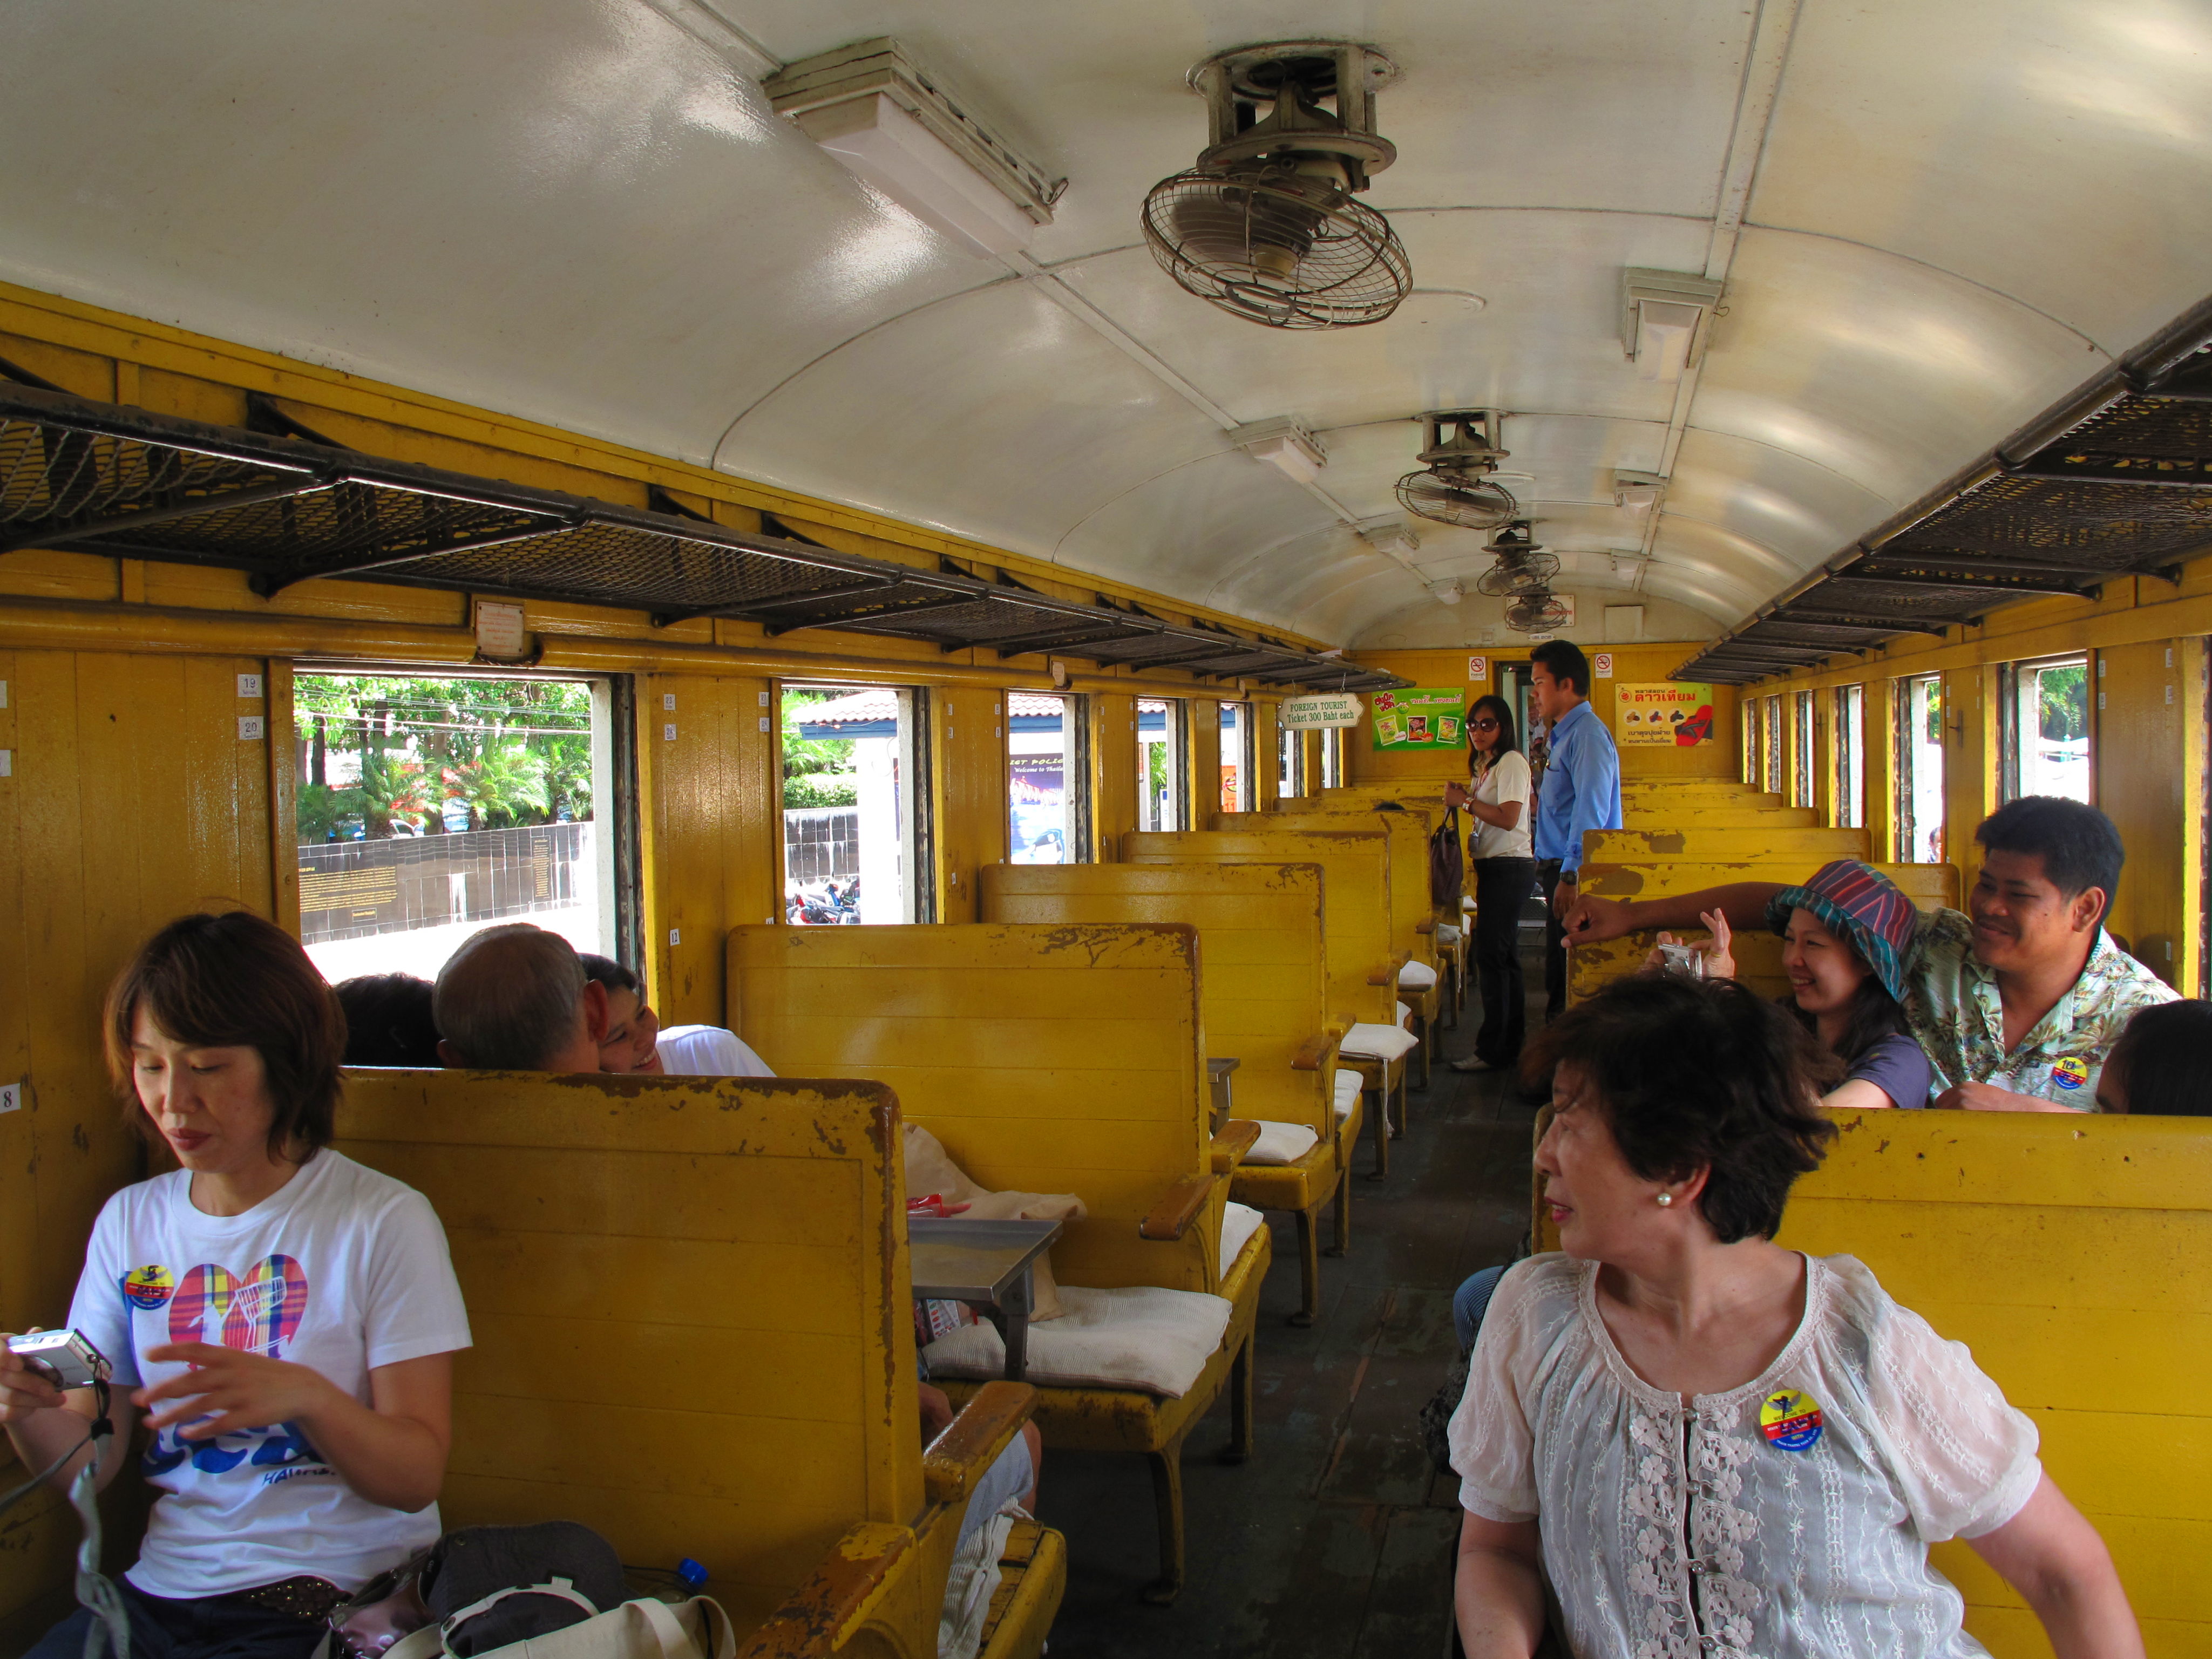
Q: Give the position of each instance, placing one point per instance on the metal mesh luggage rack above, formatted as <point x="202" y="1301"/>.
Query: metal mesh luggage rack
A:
<point x="104" y="478"/>
<point x="2116" y="481"/>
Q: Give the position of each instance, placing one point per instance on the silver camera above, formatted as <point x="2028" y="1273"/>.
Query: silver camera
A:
<point x="62" y="1357"/>
<point x="1685" y="959"/>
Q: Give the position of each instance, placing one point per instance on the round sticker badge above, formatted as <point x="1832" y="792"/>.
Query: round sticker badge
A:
<point x="1790" y="1420"/>
<point x="148" y="1288"/>
<point x="2071" y="1073"/>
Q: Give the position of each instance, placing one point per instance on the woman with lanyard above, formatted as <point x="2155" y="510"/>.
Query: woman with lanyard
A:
<point x="1505" y="875"/>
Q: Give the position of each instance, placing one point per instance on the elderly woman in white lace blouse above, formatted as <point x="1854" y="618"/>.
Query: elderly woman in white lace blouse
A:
<point x="1713" y="1448"/>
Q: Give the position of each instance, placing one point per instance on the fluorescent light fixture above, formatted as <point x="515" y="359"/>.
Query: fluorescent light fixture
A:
<point x="1662" y="319"/>
<point x="874" y="108"/>
<point x="1447" y="593"/>
<point x="1636" y="491"/>
<point x="1285" y="445"/>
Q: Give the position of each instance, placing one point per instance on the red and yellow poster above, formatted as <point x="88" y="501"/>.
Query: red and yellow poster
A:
<point x="1669" y="714"/>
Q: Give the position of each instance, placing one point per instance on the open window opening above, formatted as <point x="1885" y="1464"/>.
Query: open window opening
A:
<point x="1236" y="767"/>
<point x="1290" y="763"/>
<point x="1851" y="757"/>
<point x="2047" y="737"/>
<point x="428" y="808"/>
<point x="1161" y="786"/>
<point x="1747" y="734"/>
<point x="853" y="793"/>
<point x="1332" y="759"/>
<point x="1919" y="739"/>
<point x="1047" y="803"/>
<point x="1770" y="714"/>
<point x="1803" y="747"/>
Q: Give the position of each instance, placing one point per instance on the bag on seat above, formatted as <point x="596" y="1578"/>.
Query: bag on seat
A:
<point x="1447" y="861"/>
<point x="482" y="1589"/>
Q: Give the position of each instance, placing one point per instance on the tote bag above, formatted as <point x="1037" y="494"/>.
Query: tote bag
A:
<point x="1447" y="863"/>
<point x="643" y="1629"/>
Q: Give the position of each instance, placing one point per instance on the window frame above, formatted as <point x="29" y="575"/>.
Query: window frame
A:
<point x="1847" y="798"/>
<point x="1905" y="770"/>
<point x="1074" y="773"/>
<point x="1774" y="778"/>
<point x="1177" y="799"/>
<point x="1805" y="739"/>
<point x="2010" y="745"/>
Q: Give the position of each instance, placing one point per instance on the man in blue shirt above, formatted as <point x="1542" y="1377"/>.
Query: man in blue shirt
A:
<point x="1581" y="791"/>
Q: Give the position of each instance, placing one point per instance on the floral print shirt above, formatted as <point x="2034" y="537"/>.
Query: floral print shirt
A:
<point x="1954" y="1010"/>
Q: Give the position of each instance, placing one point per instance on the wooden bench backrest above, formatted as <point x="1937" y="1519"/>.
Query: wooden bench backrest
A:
<point x="2074" y="1255"/>
<point x="1263" y="990"/>
<point x="1695" y="840"/>
<point x="1045" y="1059"/>
<point x="689" y="1302"/>
<point x="1355" y="900"/>
<point x="1676" y="814"/>
<point x="1408" y="832"/>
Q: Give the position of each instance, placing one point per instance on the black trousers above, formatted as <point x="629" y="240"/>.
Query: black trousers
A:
<point x="216" y="1627"/>
<point x="1555" y="943"/>
<point x="1501" y="890"/>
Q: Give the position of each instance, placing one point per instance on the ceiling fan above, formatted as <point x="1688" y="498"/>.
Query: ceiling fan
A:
<point x="1265" y="225"/>
<point x="1522" y="566"/>
<point x="1459" y="451"/>
<point x="1540" y="611"/>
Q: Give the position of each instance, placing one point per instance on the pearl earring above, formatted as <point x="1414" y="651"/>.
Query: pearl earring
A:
<point x="1666" y="1199"/>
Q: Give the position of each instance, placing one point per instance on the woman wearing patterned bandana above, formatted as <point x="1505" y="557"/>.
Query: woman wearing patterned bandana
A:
<point x="1709" y="1446"/>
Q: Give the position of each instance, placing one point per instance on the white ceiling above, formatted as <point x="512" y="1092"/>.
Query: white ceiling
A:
<point x="576" y="211"/>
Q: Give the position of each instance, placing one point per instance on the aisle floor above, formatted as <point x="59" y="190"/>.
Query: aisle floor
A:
<point x="1334" y="1539"/>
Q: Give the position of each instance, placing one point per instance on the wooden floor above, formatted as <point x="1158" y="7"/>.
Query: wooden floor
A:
<point x="1335" y="1539"/>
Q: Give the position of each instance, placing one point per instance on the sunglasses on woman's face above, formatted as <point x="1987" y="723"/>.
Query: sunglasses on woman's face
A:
<point x="1486" y="725"/>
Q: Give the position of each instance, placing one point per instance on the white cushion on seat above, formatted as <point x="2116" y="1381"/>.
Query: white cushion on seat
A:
<point x="1417" y="976"/>
<point x="1138" y="1337"/>
<point x="1447" y="933"/>
<point x="1348" y="1086"/>
<point x="1279" y="1142"/>
<point x="1366" y="1042"/>
<point x="1467" y="903"/>
<point x="1238" y="1223"/>
<point x="1404" y="1012"/>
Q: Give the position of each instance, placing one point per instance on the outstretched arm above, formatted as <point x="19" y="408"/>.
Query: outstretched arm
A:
<point x="1498" y="1595"/>
<point x="2053" y="1557"/>
<point x="1743" y="903"/>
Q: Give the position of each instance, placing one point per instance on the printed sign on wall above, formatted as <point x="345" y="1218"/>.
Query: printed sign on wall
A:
<point x="1478" y="668"/>
<point x="1662" y="716"/>
<point x="1320" y="711"/>
<point x="1601" y="665"/>
<point x="1421" y="718"/>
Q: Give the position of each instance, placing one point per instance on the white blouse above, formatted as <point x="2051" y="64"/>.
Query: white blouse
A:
<point x="1683" y="1534"/>
<point x="1508" y="779"/>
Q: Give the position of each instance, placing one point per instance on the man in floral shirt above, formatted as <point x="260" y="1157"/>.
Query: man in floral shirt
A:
<point x="2017" y="999"/>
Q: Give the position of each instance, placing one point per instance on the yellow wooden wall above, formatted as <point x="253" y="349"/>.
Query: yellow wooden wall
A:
<point x="1648" y="662"/>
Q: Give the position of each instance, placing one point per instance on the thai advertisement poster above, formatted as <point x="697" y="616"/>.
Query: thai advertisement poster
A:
<point x="1664" y="716"/>
<point x="1421" y="718"/>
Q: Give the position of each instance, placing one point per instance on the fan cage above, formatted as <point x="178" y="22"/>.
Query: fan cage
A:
<point x="1538" y="612"/>
<point x="1448" y="496"/>
<point x="1277" y="247"/>
<point x="1524" y="572"/>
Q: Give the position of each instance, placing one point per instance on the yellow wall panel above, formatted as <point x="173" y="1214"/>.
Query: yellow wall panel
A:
<point x="1113" y="773"/>
<point x="2141" y="771"/>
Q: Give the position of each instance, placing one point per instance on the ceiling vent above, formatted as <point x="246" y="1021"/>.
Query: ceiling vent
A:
<point x="896" y="127"/>
<point x="1662" y="319"/>
<point x="1522" y="567"/>
<point x="1460" y="450"/>
<point x="1285" y="445"/>
<point x="1446" y="592"/>
<point x="1636" y="491"/>
<point x="1265" y="225"/>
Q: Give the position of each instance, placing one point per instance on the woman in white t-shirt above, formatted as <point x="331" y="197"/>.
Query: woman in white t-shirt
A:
<point x="1503" y="863"/>
<point x="1706" y="1445"/>
<point x="285" y="1317"/>
<point x="636" y="1041"/>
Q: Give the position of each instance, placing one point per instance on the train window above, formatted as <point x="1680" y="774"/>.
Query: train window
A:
<point x="1919" y="769"/>
<point x="1332" y="759"/>
<point x="1236" y="757"/>
<point x="1161" y="786"/>
<point x="1045" y="774"/>
<point x="1802" y="747"/>
<point x="853" y="793"/>
<point x="1747" y="730"/>
<point x="2044" y="709"/>
<point x="1290" y="763"/>
<point x="1770" y="712"/>
<point x="1850" y="780"/>
<point x="428" y="809"/>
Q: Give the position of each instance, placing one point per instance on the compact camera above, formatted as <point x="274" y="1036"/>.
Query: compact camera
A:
<point x="62" y="1357"/>
<point x="1686" y="959"/>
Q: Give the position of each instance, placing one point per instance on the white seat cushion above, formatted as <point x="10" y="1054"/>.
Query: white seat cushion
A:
<point x="1446" y="933"/>
<point x="1138" y="1337"/>
<point x="1416" y="976"/>
<point x="1279" y="1142"/>
<point x="1348" y="1085"/>
<point x="1364" y="1041"/>
<point x="1404" y="1012"/>
<point x="1466" y="903"/>
<point x="1238" y="1223"/>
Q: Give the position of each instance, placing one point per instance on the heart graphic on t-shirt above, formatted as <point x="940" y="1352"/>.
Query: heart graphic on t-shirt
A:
<point x="258" y="1313"/>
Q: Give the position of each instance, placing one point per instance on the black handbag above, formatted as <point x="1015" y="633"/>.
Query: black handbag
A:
<point x="1447" y="864"/>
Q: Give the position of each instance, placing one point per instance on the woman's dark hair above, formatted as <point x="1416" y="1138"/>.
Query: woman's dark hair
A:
<point x="1873" y="1014"/>
<point x="1507" y="741"/>
<point x="234" y="980"/>
<point x="388" y="1021"/>
<point x="2163" y="1061"/>
<point x="1701" y="1074"/>
<point x="605" y="970"/>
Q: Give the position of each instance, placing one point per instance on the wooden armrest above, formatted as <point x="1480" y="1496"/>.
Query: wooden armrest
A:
<point x="1314" y="1053"/>
<point x="1388" y="973"/>
<point x="816" y="1618"/>
<point x="952" y="1463"/>
<point x="1228" y="1148"/>
<point x="1179" y="1206"/>
<point x="1428" y="927"/>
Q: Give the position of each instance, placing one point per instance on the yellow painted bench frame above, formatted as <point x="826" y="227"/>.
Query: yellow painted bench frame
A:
<point x="658" y="1267"/>
<point x="1045" y="1059"/>
<point x="1263" y="996"/>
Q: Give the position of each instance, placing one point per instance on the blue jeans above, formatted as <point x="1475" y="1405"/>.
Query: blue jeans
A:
<point x="211" y="1627"/>
<point x="1470" y="1302"/>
